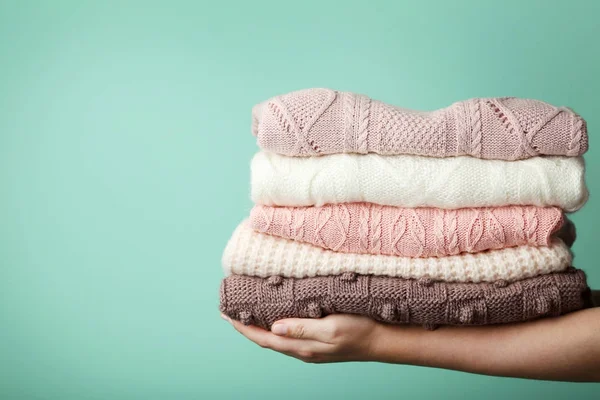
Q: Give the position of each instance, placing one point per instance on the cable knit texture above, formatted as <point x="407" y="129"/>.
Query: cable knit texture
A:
<point x="416" y="181"/>
<point x="366" y="228"/>
<point x="323" y="121"/>
<point x="257" y="254"/>
<point x="262" y="301"/>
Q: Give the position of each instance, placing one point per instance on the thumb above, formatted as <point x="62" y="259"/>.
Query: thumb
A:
<point x="303" y="328"/>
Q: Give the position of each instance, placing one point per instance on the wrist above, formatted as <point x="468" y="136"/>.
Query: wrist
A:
<point x="393" y="344"/>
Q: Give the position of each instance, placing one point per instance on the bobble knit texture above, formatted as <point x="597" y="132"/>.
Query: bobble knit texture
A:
<point x="416" y="181"/>
<point x="261" y="301"/>
<point x="322" y="121"/>
<point x="366" y="228"/>
<point x="257" y="254"/>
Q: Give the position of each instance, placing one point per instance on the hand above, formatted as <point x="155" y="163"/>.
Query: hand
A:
<point x="335" y="338"/>
<point x="565" y="348"/>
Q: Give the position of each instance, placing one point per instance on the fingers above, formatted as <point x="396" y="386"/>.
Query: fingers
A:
<point x="321" y="330"/>
<point x="306" y="350"/>
<point x="259" y="336"/>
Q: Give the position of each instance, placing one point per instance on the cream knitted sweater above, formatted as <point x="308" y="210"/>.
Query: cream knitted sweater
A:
<point x="418" y="181"/>
<point x="258" y="254"/>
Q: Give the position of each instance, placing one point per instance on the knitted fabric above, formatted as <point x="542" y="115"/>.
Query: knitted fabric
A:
<point x="257" y="254"/>
<point x="322" y="121"/>
<point x="416" y="181"/>
<point x="262" y="301"/>
<point x="366" y="228"/>
<point x="567" y="232"/>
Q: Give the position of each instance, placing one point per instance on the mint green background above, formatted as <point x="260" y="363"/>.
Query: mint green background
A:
<point x="124" y="162"/>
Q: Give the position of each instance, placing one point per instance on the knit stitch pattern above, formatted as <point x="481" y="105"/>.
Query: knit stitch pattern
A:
<point x="257" y="254"/>
<point x="366" y="228"/>
<point x="417" y="181"/>
<point x="322" y="121"/>
<point x="262" y="301"/>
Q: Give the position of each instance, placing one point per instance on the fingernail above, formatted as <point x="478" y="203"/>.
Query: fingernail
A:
<point x="279" y="329"/>
<point x="226" y="318"/>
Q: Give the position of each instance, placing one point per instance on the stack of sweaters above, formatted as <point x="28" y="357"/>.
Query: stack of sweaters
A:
<point x="449" y="217"/>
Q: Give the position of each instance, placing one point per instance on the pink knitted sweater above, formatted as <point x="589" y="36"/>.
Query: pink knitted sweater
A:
<point x="366" y="228"/>
<point x="323" y="121"/>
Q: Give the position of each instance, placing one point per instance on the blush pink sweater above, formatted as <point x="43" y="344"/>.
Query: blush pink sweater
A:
<point x="323" y="121"/>
<point x="366" y="228"/>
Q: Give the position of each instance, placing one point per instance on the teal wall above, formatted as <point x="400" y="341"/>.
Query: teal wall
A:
<point x="124" y="165"/>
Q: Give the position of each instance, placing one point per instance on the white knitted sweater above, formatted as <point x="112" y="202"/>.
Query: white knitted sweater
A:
<point x="417" y="181"/>
<point x="258" y="254"/>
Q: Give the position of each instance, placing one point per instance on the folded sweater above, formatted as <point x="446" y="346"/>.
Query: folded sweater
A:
<point x="322" y="121"/>
<point x="366" y="228"/>
<point x="416" y="181"/>
<point x="261" y="302"/>
<point x="257" y="254"/>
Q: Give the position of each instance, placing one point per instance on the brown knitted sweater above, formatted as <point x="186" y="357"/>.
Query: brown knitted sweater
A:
<point x="262" y="301"/>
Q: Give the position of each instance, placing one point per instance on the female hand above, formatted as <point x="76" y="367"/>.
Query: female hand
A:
<point x="565" y="348"/>
<point x="338" y="337"/>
